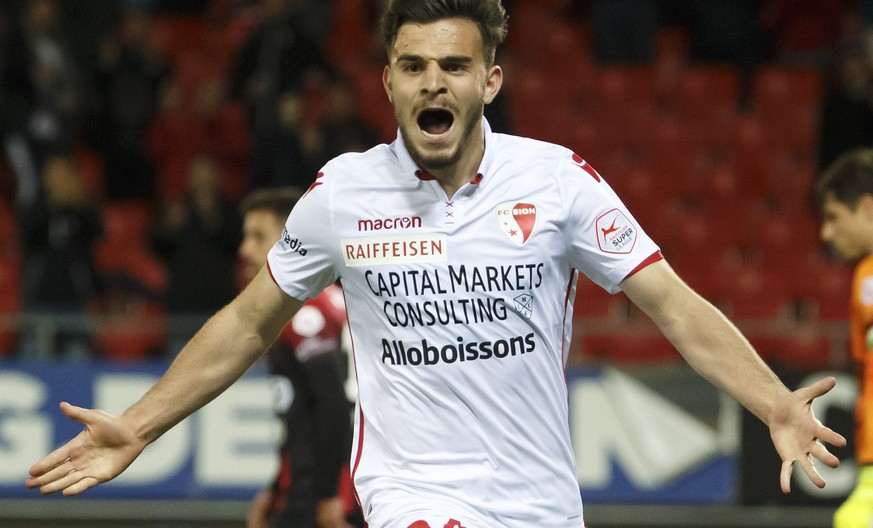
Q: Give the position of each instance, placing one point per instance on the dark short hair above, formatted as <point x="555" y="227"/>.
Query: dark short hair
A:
<point x="489" y="15"/>
<point x="848" y="178"/>
<point x="279" y="200"/>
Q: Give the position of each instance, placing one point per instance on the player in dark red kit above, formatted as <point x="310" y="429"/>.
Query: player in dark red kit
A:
<point x="309" y="369"/>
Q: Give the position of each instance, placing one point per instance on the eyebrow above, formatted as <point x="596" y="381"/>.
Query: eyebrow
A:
<point x="458" y="59"/>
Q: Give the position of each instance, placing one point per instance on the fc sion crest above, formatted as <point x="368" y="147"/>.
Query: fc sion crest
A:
<point x="517" y="220"/>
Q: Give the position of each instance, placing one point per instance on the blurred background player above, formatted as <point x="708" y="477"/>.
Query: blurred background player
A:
<point x="308" y="367"/>
<point x="845" y="196"/>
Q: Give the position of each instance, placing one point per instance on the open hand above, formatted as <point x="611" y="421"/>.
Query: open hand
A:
<point x="798" y="434"/>
<point x="105" y="448"/>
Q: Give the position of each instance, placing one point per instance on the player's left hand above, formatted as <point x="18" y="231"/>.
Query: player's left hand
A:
<point x="798" y="434"/>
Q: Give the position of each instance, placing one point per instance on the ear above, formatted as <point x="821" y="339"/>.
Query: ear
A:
<point x="386" y="82"/>
<point x="865" y="206"/>
<point x="493" y="82"/>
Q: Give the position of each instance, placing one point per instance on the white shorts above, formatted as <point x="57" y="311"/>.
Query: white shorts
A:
<point x="396" y="509"/>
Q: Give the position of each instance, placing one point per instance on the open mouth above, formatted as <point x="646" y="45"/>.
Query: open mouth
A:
<point x="435" y="122"/>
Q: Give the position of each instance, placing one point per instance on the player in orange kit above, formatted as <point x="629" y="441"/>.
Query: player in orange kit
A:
<point x="845" y="196"/>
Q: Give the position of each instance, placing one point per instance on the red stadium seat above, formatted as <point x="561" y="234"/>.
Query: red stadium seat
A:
<point x="628" y="348"/>
<point x="10" y="301"/>
<point x="804" y="351"/>
<point x="700" y="92"/>
<point x="787" y="101"/>
<point x="136" y="333"/>
<point x="126" y="221"/>
<point x="594" y="301"/>
<point x="7" y="226"/>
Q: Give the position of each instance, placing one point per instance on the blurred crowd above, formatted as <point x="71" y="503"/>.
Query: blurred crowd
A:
<point x="131" y="129"/>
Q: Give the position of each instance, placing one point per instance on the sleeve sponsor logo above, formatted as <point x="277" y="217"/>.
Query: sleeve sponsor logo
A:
<point x="288" y="243"/>
<point x="517" y="220"/>
<point x="615" y="232"/>
<point x="394" y="249"/>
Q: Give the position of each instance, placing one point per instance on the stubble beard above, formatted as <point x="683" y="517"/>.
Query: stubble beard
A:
<point x="444" y="160"/>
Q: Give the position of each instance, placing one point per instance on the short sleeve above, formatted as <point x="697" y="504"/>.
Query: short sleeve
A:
<point x="304" y="260"/>
<point x="605" y="241"/>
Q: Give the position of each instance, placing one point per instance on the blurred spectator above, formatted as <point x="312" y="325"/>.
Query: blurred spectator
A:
<point x="270" y="74"/>
<point x="130" y="75"/>
<point x="342" y="129"/>
<point x="846" y="119"/>
<point x="197" y="238"/>
<point x="44" y="94"/>
<point x="315" y="18"/>
<point x="727" y="31"/>
<point x="624" y="30"/>
<point x="803" y="32"/>
<point x="58" y="232"/>
<point x="191" y="125"/>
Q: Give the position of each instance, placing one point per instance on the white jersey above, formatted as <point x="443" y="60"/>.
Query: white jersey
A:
<point x="460" y="313"/>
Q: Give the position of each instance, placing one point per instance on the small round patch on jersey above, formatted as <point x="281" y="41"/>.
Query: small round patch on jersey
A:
<point x="517" y="220"/>
<point x="867" y="291"/>
<point x="615" y="232"/>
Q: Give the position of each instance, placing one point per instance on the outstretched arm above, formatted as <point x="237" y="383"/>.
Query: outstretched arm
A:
<point x="714" y="347"/>
<point x="227" y="345"/>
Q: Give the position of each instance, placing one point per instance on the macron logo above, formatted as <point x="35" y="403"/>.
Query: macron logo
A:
<point x="400" y="222"/>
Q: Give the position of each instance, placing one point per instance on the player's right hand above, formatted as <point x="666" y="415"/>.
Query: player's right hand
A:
<point x="105" y="448"/>
<point x="260" y="509"/>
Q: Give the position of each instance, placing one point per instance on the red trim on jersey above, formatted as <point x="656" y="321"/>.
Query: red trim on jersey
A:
<point x="283" y="482"/>
<point x="654" y="257"/>
<point x="360" y="449"/>
<point x="270" y="271"/>
<point x="574" y="275"/>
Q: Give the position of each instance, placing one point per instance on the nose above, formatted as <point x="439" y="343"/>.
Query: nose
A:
<point x="243" y="250"/>
<point x="825" y="232"/>
<point x="434" y="79"/>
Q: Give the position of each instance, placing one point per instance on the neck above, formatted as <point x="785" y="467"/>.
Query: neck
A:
<point x="455" y="175"/>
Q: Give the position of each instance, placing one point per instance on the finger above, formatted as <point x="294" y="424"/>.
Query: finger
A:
<point x="819" y="388"/>
<point x="62" y="483"/>
<point x="826" y="434"/>
<point x="52" y="460"/>
<point x="61" y="454"/>
<point x="820" y="452"/>
<point x="80" y="414"/>
<point x="785" y="476"/>
<point x="808" y="468"/>
<point x="52" y="475"/>
<point x="83" y="484"/>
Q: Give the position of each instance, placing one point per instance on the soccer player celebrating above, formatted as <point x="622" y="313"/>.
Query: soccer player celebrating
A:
<point x="458" y="250"/>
